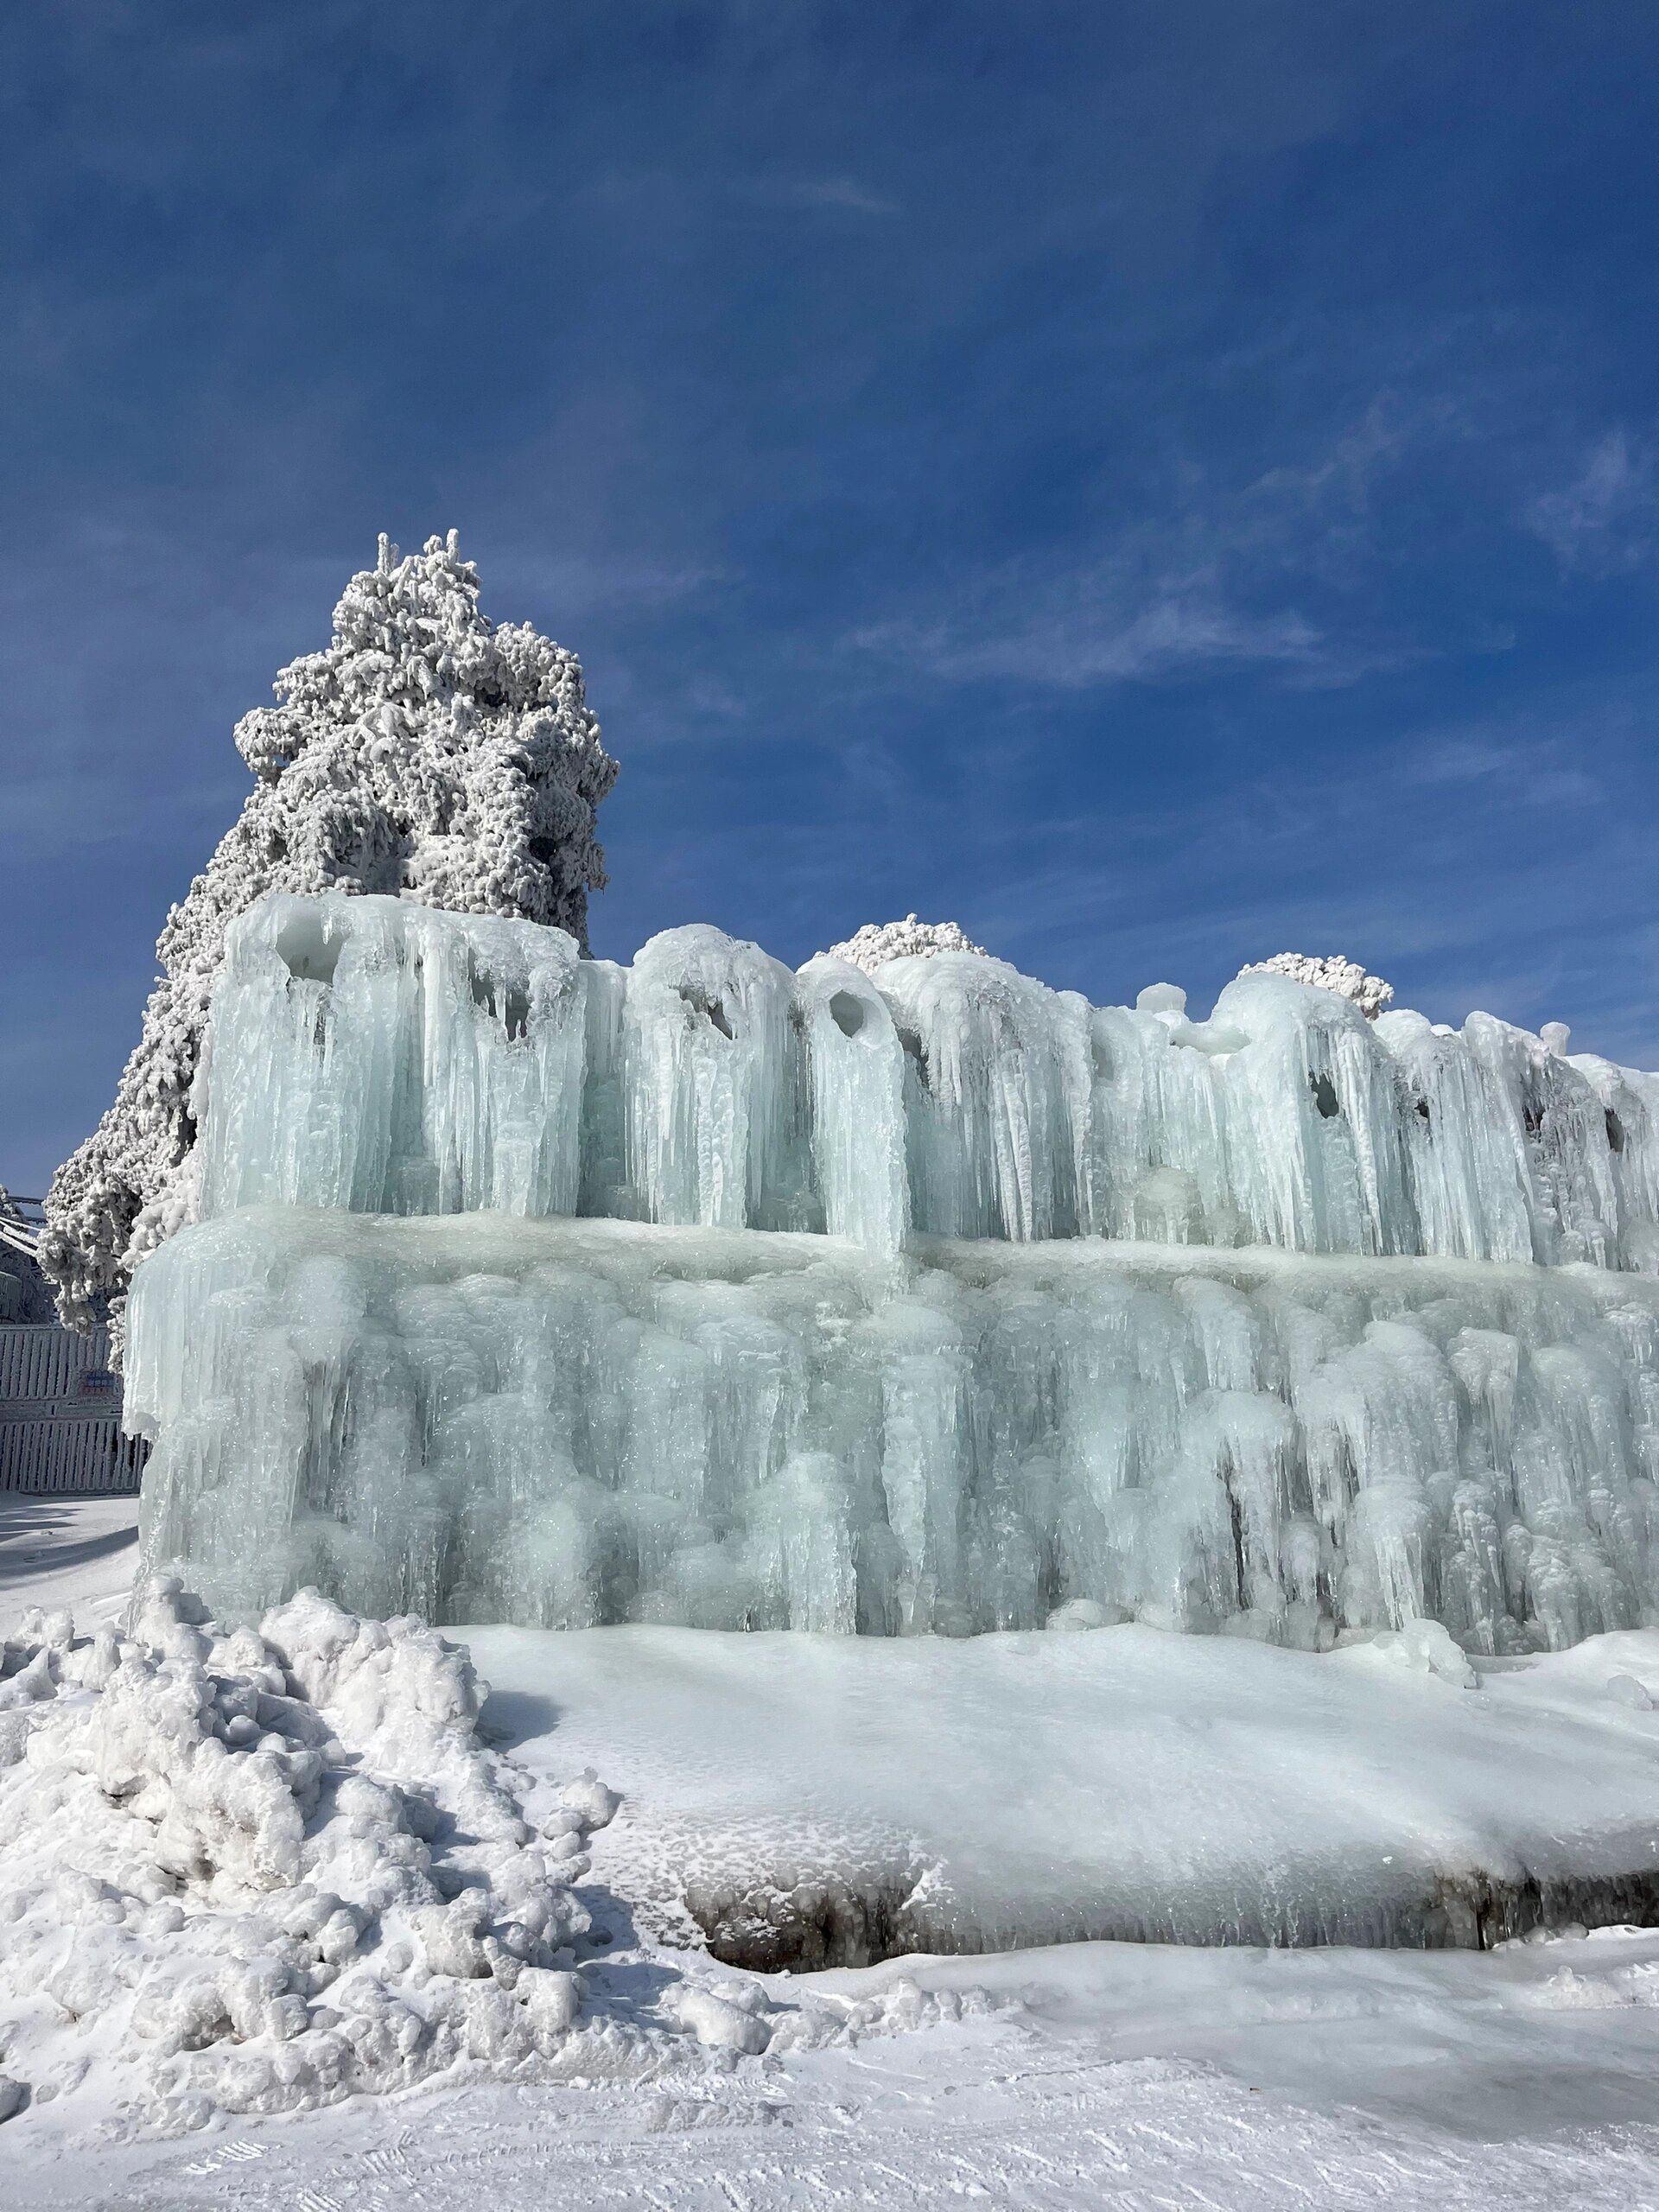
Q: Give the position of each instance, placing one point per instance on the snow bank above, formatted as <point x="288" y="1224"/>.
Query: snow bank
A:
<point x="811" y="1801"/>
<point x="253" y="1871"/>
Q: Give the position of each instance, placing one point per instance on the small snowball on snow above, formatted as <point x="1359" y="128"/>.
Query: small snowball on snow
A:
<point x="1161" y="998"/>
<point x="717" y="2023"/>
<point x="1426" y="1648"/>
<point x="593" y="1805"/>
<point x="1553" y="1036"/>
<point x="1083" y="1612"/>
<point x="1624" y="1689"/>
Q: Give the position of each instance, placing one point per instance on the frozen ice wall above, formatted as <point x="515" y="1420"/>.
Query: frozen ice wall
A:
<point x="387" y="1058"/>
<point x="547" y="1290"/>
<point x="567" y="1422"/>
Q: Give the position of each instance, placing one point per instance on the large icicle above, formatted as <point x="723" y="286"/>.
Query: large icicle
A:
<point x="373" y="1054"/>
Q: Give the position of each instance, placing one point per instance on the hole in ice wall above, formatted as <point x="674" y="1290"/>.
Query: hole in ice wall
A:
<point x="306" y="951"/>
<point x="1615" y="1132"/>
<point x="1241" y="1580"/>
<point x="848" y="1016"/>
<point x="508" y="1002"/>
<point x="1422" y="1109"/>
<point x="913" y="1044"/>
<point x="705" y="1004"/>
<point x="1325" y="1095"/>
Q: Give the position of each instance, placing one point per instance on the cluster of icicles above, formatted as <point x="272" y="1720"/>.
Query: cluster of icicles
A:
<point x="385" y="1058"/>
<point x="545" y="1290"/>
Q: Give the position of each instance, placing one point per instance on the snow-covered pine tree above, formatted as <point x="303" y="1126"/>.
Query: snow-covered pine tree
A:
<point x="425" y="751"/>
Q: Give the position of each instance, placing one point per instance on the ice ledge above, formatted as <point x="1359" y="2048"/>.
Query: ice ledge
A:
<point x="567" y="1423"/>
<point x="376" y="1055"/>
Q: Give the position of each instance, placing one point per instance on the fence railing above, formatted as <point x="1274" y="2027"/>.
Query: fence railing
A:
<point x="60" y="1413"/>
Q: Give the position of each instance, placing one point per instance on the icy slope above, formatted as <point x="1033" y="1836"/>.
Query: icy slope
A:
<point x="809" y="1800"/>
<point x="369" y="1053"/>
<point x="568" y="1422"/>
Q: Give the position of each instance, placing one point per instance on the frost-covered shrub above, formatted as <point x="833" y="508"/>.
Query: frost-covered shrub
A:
<point x="877" y="942"/>
<point x="256" y="1871"/>
<point x="425" y="751"/>
<point x="1329" y="972"/>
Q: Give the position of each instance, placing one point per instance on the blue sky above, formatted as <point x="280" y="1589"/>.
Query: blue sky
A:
<point x="1161" y="486"/>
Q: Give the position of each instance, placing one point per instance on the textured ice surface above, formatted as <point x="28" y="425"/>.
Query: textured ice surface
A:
<point x="567" y="1423"/>
<point x="369" y="1053"/>
<point x="253" y="1871"/>
<point x="926" y="1298"/>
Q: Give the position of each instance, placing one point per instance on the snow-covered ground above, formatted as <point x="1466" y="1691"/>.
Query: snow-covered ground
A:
<point x="1091" y="2074"/>
<point x="875" y="1794"/>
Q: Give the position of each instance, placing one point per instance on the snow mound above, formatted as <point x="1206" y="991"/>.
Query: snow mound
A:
<point x="253" y="1871"/>
<point x="877" y="942"/>
<point x="1330" y="972"/>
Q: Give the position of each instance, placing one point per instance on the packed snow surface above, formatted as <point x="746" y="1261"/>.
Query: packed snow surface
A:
<point x="566" y="1423"/>
<point x="254" y="1872"/>
<point x="1097" y="2074"/>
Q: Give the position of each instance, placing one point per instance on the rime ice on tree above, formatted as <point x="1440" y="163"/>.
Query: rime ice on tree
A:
<point x="425" y="751"/>
<point x="923" y="1298"/>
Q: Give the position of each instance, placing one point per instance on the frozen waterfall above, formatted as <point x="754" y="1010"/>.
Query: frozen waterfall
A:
<point x="542" y="1289"/>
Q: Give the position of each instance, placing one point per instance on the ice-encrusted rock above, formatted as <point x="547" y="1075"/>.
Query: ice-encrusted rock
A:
<point x="252" y="1871"/>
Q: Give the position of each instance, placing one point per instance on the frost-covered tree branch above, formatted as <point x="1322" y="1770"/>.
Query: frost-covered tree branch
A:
<point x="425" y="751"/>
<point x="1329" y="972"/>
<point x="877" y="942"/>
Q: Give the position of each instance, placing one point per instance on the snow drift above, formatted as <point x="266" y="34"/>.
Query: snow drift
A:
<point x="252" y="1871"/>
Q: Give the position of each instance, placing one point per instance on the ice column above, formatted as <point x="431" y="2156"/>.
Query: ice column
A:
<point x="375" y="1055"/>
<point x="858" y="1104"/>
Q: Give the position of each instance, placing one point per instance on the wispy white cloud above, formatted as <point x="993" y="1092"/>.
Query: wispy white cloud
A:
<point x="1608" y="517"/>
<point x="843" y="192"/>
<point x="1102" y="627"/>
<point x="1194" y="585"/>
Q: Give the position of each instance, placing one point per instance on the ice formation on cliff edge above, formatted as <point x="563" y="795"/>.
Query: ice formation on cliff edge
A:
<point x="253" y="1871"/>
<point x="961" y="1408"/>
